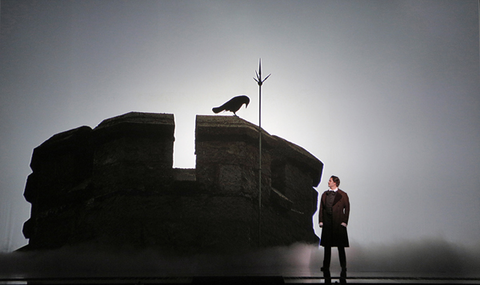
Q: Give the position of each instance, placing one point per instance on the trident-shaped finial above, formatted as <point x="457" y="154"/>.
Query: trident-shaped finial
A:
<point x="260" y="81"/>
<point x="259" y="74"/>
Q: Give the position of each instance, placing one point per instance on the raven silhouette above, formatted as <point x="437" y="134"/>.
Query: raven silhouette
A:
<point x="233" y="105"/>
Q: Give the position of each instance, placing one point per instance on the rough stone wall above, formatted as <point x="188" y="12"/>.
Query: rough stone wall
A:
<point x="61" y="168"/>
<point x="81" y="177"/>
<point x="288" y="174"/>
<point x="133" y="152"/>
<point x="115" y="185"/>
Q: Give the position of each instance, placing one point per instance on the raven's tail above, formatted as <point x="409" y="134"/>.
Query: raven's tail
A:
<point x="217" y="110"/>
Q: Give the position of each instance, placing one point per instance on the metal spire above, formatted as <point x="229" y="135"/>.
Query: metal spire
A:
<point x="260" y="81"/>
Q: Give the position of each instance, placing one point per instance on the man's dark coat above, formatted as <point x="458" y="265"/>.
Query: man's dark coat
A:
<point x="333" y="233"/>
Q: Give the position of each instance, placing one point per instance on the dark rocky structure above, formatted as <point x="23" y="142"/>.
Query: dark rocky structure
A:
<point x="115" y="185"/>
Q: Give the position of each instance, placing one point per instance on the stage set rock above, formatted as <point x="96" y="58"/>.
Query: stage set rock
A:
<point x="115" y="185"/>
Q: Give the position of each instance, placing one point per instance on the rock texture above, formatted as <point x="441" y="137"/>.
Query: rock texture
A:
<point x="115" y="185"/>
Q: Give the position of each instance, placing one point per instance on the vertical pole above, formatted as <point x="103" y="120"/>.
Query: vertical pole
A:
<point x="260" y="157"/>
<point x="260" y="81"/>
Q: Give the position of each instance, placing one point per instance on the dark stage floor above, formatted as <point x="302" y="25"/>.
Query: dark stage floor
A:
<point x="354" y="279"/>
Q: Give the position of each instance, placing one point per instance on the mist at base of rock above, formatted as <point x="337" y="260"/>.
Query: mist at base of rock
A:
<point x="426" y="258"/>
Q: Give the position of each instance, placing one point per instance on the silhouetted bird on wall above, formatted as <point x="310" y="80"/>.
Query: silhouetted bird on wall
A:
<point x="233" y="105"/>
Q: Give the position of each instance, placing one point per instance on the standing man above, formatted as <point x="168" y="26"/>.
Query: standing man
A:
<point x="333" y="219"/>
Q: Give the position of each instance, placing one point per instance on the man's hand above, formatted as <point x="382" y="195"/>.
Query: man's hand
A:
<point x="343" y="224"/>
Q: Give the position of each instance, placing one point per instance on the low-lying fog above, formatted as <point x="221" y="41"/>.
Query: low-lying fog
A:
<point x="422" y="258"/>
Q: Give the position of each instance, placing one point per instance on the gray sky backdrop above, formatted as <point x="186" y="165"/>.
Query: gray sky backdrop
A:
<point x="385" y="93"/>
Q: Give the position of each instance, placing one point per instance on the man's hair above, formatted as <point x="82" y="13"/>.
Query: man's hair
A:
<point x="336" y="180"/>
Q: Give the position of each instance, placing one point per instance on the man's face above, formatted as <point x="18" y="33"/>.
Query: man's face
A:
<point x="331" y="184"/>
